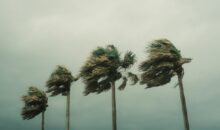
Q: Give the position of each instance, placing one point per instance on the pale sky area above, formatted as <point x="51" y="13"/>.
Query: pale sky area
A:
<point x="37" y="35"/>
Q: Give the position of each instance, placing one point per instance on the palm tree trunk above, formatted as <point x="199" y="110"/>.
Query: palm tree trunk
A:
<point x="114" y="121"/>
<point x="183" y="102"/>
<point x="42" y="121"/>
<point x="68" y="111"/>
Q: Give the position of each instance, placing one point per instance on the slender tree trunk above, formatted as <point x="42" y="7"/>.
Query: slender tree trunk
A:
<point x="68" y="111"/>
<point x="42" y="121"/>
<point x="183" y="102"/>
<point x="114" y="115"/>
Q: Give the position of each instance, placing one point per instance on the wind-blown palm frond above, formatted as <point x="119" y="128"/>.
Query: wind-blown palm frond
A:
<point x="163" y="63"/>
<point x="129" y="76"/>
<point x="102" y="68"/>
<point x="35" y="103"/>
<point x="123" y="84"/>
<point x="60" y="81"/>
<point x="129" y="60"/>
<point x="133" y="77"/>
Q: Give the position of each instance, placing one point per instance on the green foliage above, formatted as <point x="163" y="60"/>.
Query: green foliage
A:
<point x="60" y="81"/>
<point x="163" y="63"/>
<point x="35" y="103"/>
<point x="99" y="51"/>
<point x="133" y="77"/>
<point x="124" y="83"/>
<point x="103" y="67"/>
<point x="129" y="60"/>
<point x="110" y="52"/>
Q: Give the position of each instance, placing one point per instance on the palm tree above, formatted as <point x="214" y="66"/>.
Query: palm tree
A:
<point x="60" y="83"/>
<point x="103" y="68"/>
<point x="35" y="103"/>
<point x="165" y="61"/>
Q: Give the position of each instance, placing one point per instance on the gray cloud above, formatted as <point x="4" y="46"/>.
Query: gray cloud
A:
<point x="36" y="36"/>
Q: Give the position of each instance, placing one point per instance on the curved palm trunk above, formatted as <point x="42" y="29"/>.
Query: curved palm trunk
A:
<point x="68" y="111"/>
<point x="183" y="102"/>
<point x="114" y="121"/>
<point x="42" y="121"/>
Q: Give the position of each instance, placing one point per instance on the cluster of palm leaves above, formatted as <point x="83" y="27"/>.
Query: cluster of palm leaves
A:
<point x="60" y="81"/>
<point x="103" y="67"/>
<point x="35" y="103"/>
<point x="164" y="62"/>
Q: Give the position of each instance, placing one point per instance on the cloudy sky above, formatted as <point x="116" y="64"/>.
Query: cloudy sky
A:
<point x="35" y="36"/>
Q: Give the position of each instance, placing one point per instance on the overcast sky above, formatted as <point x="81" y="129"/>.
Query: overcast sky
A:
<point x="37" y="35"/>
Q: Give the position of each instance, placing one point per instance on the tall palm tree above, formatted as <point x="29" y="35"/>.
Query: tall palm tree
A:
<point x="35" y="103"/>
<point x="103" y="68"/>
<point x="165" y="61"/>
<point x="60" y="83"/>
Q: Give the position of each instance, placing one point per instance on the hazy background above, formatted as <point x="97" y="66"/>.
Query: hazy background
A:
<point x="37" y="35"/>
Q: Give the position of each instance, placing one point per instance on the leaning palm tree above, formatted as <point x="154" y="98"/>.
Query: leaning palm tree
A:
<point x="35" y="103"/>
<point x="103" y="68"/>
<point x="60" y="83"/>
<point x="165" y="61"/>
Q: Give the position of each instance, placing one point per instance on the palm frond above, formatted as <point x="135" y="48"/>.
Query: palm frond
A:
<point x="90" y="88"/>
<point x="112" y="53"/>
<point x="99" y="52"/>
<point x="129" y="60"/>
<point x="124" y="83"/>
<point x="100" y="85"/>
<point x="133" y="77"/>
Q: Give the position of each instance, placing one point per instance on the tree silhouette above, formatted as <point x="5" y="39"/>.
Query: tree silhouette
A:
<point x="164" y="62"/>
<point x="35" y="103"/>
<point x="60" y="83"/>
<point x="103" y="68"/>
